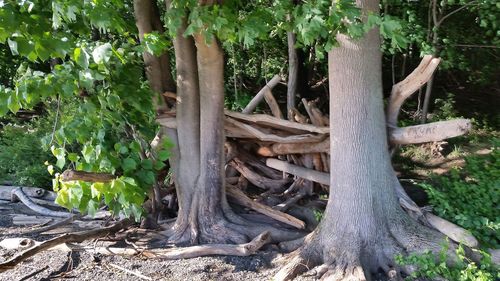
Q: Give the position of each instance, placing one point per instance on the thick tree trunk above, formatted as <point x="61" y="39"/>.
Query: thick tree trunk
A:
<point x="363" y="226"/>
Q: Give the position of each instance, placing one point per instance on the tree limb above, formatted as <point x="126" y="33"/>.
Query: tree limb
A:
<point x="72" y="175"/>
<point x="404" y="89"/>
<point x="256" y="100"/>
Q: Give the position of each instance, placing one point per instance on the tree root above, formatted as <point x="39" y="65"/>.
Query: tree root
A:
<point x="346" y="257"/>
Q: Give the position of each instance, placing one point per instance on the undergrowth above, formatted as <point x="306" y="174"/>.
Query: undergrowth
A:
<point x="470" y="196"/>
<point x="429" y="266"/>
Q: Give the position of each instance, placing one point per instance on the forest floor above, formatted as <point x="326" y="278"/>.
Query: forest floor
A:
<point x="82" y="265"/>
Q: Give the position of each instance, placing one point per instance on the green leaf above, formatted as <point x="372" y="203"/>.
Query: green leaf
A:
<point x="147" y="164"/>
<point x="88" y="153"/>
<point x="129" y="164"/>
<point x="13" y="47"/>
<point x="163" y="155"/>
<point x="159" y="165"/>
<point x="92" y="207"/>
<point x="50" y="169"/>
<point x="81" y="57"/>
<point x="117" y="186"/>
<point x="102" y="53"/>
<point x="13" y="103"/>
<point x="60" y="154"/>
<point x="73" y="157"/>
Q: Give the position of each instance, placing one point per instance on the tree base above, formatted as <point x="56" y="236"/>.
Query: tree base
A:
<point x="222" y="226"/>
<point x="335" y="255"/>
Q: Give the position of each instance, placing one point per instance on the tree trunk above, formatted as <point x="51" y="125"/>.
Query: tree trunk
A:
<point x="157" y="68"/>
<point x="363" y="227"/>
<point x="204" y="215"/>
<point x="293" y="74"/>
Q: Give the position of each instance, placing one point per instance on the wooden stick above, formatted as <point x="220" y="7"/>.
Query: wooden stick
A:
<point x="137" y="274"/>
<point x="436" y="131"/>
<point x="241" y="199"/>
<point x="209" y="250"/>
<point x="72" y="175"/>
<point x="305" y="173"/>
<point x="19" y="194"/>
<point x="256" y="100"/>
<point x="69" y="237"/>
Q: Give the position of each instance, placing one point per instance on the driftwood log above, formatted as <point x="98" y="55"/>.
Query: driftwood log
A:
<point x="209" y="250"/>
<point x="65" y="238"/>
<point x="18" y="194"/>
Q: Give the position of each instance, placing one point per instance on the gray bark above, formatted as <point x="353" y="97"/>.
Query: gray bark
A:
<point x="293" y="73"/>
<point x="363" y="227"/>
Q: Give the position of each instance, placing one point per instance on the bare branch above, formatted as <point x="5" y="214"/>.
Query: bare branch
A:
<point x="436" y="131"/>
<point x="72" y="175"/>
<point x="256" y="100"/>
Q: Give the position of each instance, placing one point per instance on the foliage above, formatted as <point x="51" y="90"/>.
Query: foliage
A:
<point x="431" y="266"/>
<point x="21" y="155"/>
<point x="95" y="73"/>
<point x="470" y="197"/>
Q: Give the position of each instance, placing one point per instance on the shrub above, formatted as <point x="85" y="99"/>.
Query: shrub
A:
<point x="21" y="155"/>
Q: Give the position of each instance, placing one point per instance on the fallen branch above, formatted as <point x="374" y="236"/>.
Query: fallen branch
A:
<point x="271" y="137"/>
<point x="19" y="194"/>
<point x="240" y="198"/>
<point x="453" y="231"/>
<point x="257" y="179"/>
<point x="273" y="122"/>
<point x="72" y="175"/>
<point x="214" y="249"/>
<point x="436" y="131"/>
<point x="33" y="192"/>
<point x="258" y="97"/>
<point x="301" y="172"/>
<point x="295" y="148"/>
<point x="54" y="225"/>
<point x="77" y="237"/>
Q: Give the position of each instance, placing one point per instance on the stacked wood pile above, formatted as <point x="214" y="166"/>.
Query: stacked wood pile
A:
<point x="288" y="160"/>
<point x="282" y="159"/>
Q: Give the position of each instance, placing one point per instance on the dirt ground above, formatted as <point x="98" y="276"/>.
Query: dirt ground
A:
<point x="81" y="265"/>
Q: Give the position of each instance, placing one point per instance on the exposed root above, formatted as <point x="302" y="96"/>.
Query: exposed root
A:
<point x="346" y="257"/>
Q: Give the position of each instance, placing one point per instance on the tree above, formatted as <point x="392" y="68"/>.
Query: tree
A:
<point x="363" y="186"/>
<point x="204" y="214"/>
<point x="364" y="226"/>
